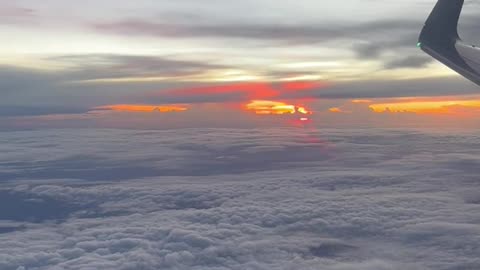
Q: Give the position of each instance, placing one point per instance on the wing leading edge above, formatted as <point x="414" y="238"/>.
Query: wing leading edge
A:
<point x="440" y="39"/>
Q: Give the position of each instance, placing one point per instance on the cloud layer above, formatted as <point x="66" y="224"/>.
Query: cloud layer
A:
<point x="239" y="199"/>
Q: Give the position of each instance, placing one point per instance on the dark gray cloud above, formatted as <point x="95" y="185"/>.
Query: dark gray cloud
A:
<point x="79" y="68"/>
<point x="16" y="79"/>
<point x="399" y="88"/>
<point x="375" y="47"/>
<point x="371" y="39"/>
<point x="104" y="66"/>
<point x="30" y="208"/>
<point x="287" y="33"/>
<point x="409" y="62"/>
<point x="367" y="204"/>
<point x="399" y="38"/>
<point x="6" y="111"/>
<point x="28" y="91"/>
<point x="391" y="41"/>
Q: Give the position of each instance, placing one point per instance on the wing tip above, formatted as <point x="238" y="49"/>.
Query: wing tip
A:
<point x="442" y="25"/>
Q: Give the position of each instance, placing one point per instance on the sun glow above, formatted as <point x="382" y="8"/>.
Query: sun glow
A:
<point x="268" y="107"/>
<point x="303" y="110"/>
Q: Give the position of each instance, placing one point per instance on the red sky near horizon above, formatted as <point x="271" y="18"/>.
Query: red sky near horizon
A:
<point x="274" y="100"/>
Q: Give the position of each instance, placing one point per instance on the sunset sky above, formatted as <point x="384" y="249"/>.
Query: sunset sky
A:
<point x="166" y="64"/>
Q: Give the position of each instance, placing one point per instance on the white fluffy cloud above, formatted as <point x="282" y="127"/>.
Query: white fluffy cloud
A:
<point x="239" y="199"/>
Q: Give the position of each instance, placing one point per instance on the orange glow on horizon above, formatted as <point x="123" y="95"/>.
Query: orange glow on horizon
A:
<point x="428" y="107"/>
<point x="143" y="108"/>
<point x="361" y="101"/>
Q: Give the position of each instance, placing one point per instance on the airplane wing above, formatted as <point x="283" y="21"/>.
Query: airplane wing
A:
<point x="440" y="39"/>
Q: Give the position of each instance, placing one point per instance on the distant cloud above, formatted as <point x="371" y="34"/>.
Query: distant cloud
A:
<point x="142" y="108"/>
<point x="14" y="111"/>
<point x="372" y="40"/>
<point x="287" y="33"/>
<point x="247" y="91"/>
<point x="11" y="14"/>
<point x="336" y="110"/>
<point x="104" y="67"/>
<point x="409" y="62"/>
<point x="460" y="108"/>
<point x="441" y="86"/>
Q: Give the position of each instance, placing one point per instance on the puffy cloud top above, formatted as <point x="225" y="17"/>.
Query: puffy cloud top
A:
<point x="239" y="199"/>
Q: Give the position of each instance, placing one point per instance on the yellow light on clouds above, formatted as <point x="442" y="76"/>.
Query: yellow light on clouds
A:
<point x="427" y="107"/>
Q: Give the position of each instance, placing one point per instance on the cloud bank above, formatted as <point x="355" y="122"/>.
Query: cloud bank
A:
<point x="239" y="199"/>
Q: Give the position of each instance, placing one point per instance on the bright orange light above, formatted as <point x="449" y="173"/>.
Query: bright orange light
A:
<point x="427" y="107"/>
<point x="303" y="110"/>
<point x="335" y="110"/>
<point x="361" y="101"/>
<point x="274" y="107"/>
<point x="143" y="108"/>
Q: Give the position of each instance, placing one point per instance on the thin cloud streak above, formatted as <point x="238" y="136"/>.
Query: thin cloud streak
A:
<point x="142" y="108"/>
